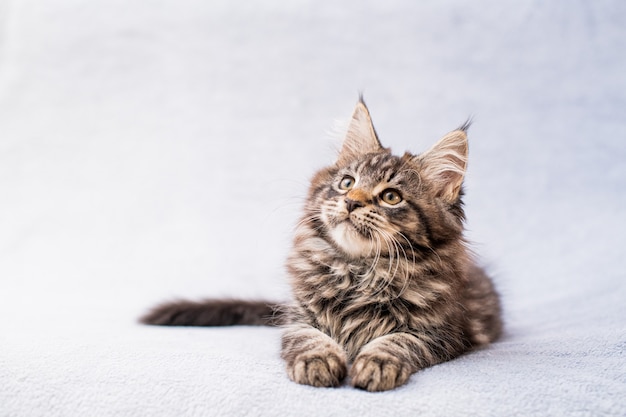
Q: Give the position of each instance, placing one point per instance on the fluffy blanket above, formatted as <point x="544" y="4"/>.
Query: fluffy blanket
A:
<point x="155" y="150"/>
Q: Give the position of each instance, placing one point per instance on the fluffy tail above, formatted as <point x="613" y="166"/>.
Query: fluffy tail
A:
<point x="216" y="313"/>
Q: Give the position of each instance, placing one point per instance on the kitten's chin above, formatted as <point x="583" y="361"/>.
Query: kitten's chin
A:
<point x="350" y="241"/>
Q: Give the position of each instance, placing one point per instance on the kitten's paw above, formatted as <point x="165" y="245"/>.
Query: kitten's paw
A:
<point x="318" y="368"/>
<point x="378" y="371"/>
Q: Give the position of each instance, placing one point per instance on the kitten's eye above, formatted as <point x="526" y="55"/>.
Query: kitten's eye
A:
<point x="346" y="183"/>
<point x="391" y="197"/>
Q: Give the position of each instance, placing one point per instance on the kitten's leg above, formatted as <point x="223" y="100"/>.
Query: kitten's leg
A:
<point x="388" y="361"/>
<point x="312" y="357"/>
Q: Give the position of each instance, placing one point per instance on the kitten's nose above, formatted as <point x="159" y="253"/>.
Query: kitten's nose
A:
<point x="351" y="205"/>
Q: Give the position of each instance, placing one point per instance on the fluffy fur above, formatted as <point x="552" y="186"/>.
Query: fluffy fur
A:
<point x="383" y="282"/>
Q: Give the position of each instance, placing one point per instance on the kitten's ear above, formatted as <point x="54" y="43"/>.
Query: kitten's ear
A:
<point x="361" y="137"/>
<point x="445" y="163"/>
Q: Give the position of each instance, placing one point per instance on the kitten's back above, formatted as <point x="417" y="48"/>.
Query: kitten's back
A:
<point x="483" y="309"/>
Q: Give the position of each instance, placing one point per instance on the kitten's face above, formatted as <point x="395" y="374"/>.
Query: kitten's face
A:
<point x="372" y="206"/>
<point x="372" y="203"/>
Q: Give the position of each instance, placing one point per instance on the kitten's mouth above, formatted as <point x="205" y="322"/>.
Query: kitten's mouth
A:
<point x="354" y="239"/>
<point x="352" y="223"/>
<point x="359" y="228"/>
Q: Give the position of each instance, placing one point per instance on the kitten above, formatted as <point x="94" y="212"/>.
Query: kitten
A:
<point x="381" y="275"/>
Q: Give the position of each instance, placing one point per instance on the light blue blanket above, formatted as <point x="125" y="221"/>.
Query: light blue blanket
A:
<point x="153" y="150"/>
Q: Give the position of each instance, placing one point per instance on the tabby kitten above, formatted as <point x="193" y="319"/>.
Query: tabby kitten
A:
<point x="381" y="275"/>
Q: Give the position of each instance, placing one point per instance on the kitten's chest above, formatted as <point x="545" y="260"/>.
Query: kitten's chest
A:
<point x="378" y="281"/>
<point x="355" y="303"/>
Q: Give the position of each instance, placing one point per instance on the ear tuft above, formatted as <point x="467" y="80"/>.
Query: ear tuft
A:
<point x="361" y="136"/>
<point x="465" y="126"/>
<point x="445" y="164"/>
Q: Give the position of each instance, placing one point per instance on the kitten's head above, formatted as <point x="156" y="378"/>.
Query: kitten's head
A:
<point x="371" y="202"/>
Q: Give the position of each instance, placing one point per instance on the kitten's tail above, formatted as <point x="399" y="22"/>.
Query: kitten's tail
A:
<point x="216" y="313"/>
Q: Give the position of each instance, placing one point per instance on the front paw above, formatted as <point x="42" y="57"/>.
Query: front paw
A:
<point x="319" y="369"/>
<point x="378" y="371"/>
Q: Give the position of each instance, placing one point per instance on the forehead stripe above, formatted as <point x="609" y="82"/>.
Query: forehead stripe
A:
<point x="380" y="162"/>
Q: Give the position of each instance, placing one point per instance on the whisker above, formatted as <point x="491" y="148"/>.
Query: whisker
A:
<point x="406" y="283"/>
<point x="394" y="255"/>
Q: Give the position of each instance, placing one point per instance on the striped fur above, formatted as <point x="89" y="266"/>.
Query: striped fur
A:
<point x="383" y="282"/>
<point x="393" y="288"/>
<point x="215" y="313"/>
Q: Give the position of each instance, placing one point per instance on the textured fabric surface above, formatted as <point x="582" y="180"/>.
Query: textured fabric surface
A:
<point x="155" y="150"/>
